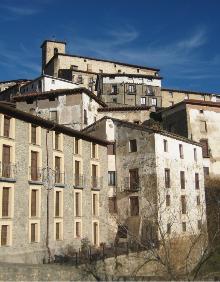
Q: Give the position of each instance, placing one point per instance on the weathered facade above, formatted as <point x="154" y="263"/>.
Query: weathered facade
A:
<point x="158" y="182"/>
<point x="198" y="121"/>
<point x="130" y="89"/>
<point x="42" y="160"/>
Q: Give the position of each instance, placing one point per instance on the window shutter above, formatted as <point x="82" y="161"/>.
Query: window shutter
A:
<point x="33" y="232"/>
<point x="34" y="165"/>
<point x="6" y="161"/>
<point x="5" y="201"/>
<point x="4" y="235"/>
<point x="33" y="134"/>
<point x="57" y="206"/>
<point x="33" y="202"/>
<point x="7" y="126"/>
<point x="57" y="230"/>
<point x="205" y="148"/>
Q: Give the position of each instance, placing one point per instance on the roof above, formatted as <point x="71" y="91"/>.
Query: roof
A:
<point x="15" y="80"/>
<point x="144" y="128"/>
<point x="124" y="108"/>
<point x="188" y="91"/>
<point x="55" y="41"/>
<point x="56" y="93"/>
<point x="130" y="75"/>
<point x="102" y="60"/>
<point x="27" y="117"/>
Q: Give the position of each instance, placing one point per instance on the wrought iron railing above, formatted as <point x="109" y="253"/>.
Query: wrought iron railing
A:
<point x="96" y="182"/>
<point x="35" y="173"/>
<point x="7" y="170"/>
<point x="131" y="185"/>
<point x="79" y="180"/>
<point x="59" y="177"/>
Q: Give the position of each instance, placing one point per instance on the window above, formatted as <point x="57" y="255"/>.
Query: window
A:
<point x="136" y="121"/>
<point x="94" y="176"/>
<point x="195" y="154"/>
<point x="133" y="146"/>
<point x="78" y="180"/>
<point x="33" y="202"/>
<point x="58" y="176"/>
<point x="57" y="203"/>
<point x="95" y="233"/>
<point x="143" y="100"/>
<point x="114" y="89"/>
<point x="134" y="206"/>
<point x="5" y="201"/>
<point x="114" y="100"/>
<point x="198" y="200"/>
<point x="167" y="200"/>
<point x="53" y="116"/>
<point x="76" y="146"/>
<point x="171" y="94"/>
<point x="203" y="126"/>
<point x="80" y="79"/>
<point x="57" y="141"/>
<point x="131" y="88"/>
<point x="111" y="149"/>
<point x="184" y="226"/>
<point x="182" y="179"/>
<point x="78" y="211"/>
<point x="58" y="231"/>
<point x="34" y="166"/>
<point x="55" y="51"/>
<point x="95" y="204"/>
<point x="33" y="232"/>
<point x="181" y="151"/>
<point x="78" y="229"/>
<point x="167" y="177"/>
<point x="94" y="150"/>
<point x="85" y="118"/>
<point x="112" y="204"/>
<point x="6" y="161"/>
<point x="199" y="224"/>
<point x="153" y="101"/>
<point x="6" y="126"/>
<point x="196" y="180"/>
<point x="53" y="81"/>
<point x="33" y="134"/>
<point x="111" y="178"/>
<point x="133" y="179"/>
<point x="183" y="204"/>
<point x="4" y="235"/>
<point x="168" y="228"/>
<point x="206" y="171"/>
<point x="201" y="111"/>
<point x="165" y="145"/>
<point x="100" y="71"/>
<point x="205" y="148"/>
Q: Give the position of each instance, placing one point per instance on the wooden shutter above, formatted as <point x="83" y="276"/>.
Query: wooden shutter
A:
<point x="167" y="178"/>
<point x="57" y="168"/>
<point x="4" y="235"/>
<point x="94" y="204"/>
<point x="6" y="161"/>
<point x="134" y="205"/>
<point x="167" y="200"/>
<point x="57" y="231"/>
<point x="133" y="145"/>
<point x="111" y="149"/>
<point x="33" y="202"/>
<point x="95" y="231"/>
<point x="34" y="175"/>
<point x="183" y="204"/>
<point x="77" y="173"/>
<point x="78" y="233"/>
<point x="182" y="179"/>
<point x="57" y="135"/>
<point x="205" y="148"/>
<point x="76" y="146"/>
<point x="7" y="126"/>
<point x="77" y="203"/>
<point x="33" y="134"/>
<point x="5" y="201"/>
<point x="33" y="232"/>
<point x="57" y="204"/>
<point x="93" y="150"/>
<point x="112" y="201"/>
<point x="134" y="179"/>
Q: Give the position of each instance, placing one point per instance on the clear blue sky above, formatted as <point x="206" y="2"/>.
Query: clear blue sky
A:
<point x="181" y="37"/>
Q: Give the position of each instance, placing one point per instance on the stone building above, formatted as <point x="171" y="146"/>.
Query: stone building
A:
<point x="44" y="164"/>
<point x="11" y="91"/>
<point x="156" y="182"/>
<point x="130" y="89"/>
<point x="198" y="121"/>
<point x="174" y="96"/>
<point x="75" y="108"/>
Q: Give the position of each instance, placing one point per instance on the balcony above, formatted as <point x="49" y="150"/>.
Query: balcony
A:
<point x="131" y="185"/>
<point x="96" y="182"/>
<point x="35" y="174"/>
<point x="7" y="170"/>
<point x="59" y="177"/>
<point x="79" y="180"/>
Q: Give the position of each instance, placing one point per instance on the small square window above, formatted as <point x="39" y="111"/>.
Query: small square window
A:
<point x="184" y="226"/>
<point x="165" y="145"/>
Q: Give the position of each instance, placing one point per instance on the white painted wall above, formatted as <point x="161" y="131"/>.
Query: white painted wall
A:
<point x="135" y="80"/>
<point x="172" y="160"/>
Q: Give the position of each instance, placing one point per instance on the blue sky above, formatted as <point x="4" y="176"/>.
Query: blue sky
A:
<point x="181" y="37"/>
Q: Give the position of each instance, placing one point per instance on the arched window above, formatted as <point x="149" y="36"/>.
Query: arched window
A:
<point x="55" y="51"/>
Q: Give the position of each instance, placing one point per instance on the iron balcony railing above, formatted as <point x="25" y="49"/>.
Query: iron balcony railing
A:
<point x="7" y="170"/>
<point x="79" y="180"/>
<point x="131" y="185"/>
<point x="59" y="177"/>
<point x="35" y="173"/>
<point x="96" y="182"/>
